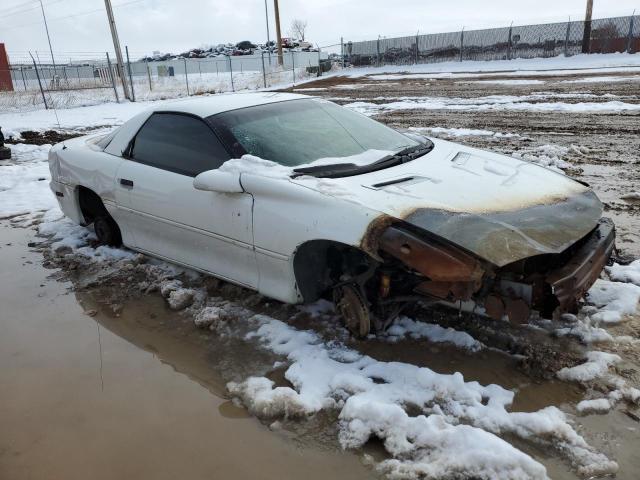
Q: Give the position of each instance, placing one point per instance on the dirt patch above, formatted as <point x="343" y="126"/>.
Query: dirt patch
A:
<point x="43" y="138"/>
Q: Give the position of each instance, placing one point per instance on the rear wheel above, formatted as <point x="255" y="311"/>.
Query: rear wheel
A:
<point x="353" y="308"/>
<point x="107" y="230"/>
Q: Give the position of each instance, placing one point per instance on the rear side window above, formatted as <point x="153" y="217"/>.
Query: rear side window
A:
<point x="106" y="140"/>
<point x="179" y="143"/>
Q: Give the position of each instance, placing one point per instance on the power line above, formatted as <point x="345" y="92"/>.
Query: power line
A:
<point x="88" y="12"/>
<point x="19" y="6"/>
<point x="10" y="14"/>
<point x="46" y="27"/>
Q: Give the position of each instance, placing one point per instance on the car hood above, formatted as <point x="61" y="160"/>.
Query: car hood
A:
<point x="500" y="208"/>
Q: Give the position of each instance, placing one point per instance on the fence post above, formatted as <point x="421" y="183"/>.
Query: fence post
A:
<point x="630" y="36"/>
<point x="293" y="67"/>
<point x="233" y="88"/>
<point x="378" y="50"/>
<point x="149" y="74"/>
<point x="113" y="78"/>
<point x="46" y="107"/>
<point x="133" y="93"/>
<point x="24" y="82"/>
<point x="461" y="42"/>
<point x="417" y="49"/>
<point x="319" y="63"/>
<point x="264" y="74"/>
<point x="566" y="39"/>
<point x="586" y="34"/>
<point x="509" y="42"/>
<point x="186" y="76"/>
<point x="342" y="50"/>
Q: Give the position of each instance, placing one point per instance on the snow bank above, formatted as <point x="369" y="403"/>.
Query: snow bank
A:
<point x="599" y="405"/>
<point x="71" y="238"/>
<point x="405" y="327"/>
<point x="614" y="300"/>
<point x="79" y="118"/>
<point x="463" y="132"/>
<point x="631" y="196"/>
<point x="24" y="181"/>
<point x="513" y="82"/>
<point x="498" y="102"/>
<point x="603" y="405"/>
<point x="180" y="298"/>
<point x="603" y="79"/>
<point x="586" y="331"/>
<point x="455" y="432"/>
<point x="208" y="316"/>
<point x="596" y="366"/>
<point x="549" y="156"/>
<point x="560" y="65"/>
<point x="625" y="273"/>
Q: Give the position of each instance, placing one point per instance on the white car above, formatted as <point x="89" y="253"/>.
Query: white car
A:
<point x="299" y="198"/>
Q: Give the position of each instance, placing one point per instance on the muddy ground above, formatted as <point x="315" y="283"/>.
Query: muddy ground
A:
<point x="138" y="390"/>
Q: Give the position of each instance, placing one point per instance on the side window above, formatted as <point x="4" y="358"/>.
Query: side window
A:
<point x="178" y="143"/>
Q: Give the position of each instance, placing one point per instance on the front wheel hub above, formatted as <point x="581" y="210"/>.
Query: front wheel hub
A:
<point x="352" y="307"/>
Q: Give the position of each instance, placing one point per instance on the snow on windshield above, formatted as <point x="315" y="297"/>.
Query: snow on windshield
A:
<point x="259" y="166"/>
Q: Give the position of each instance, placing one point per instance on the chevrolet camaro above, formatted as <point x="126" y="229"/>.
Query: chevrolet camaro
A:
<point x="300" y="199"/>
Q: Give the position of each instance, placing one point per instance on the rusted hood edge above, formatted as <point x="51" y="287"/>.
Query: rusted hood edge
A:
<point x="505" y="237"/>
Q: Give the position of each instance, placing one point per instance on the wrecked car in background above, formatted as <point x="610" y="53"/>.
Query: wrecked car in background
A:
<point x="301" y="199"/>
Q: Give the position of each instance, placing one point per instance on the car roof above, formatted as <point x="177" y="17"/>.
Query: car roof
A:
<point x="205" y="106"/>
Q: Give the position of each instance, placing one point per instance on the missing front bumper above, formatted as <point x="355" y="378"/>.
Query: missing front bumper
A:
<point x="555" y="290"/>
<point x="571" y="282"/>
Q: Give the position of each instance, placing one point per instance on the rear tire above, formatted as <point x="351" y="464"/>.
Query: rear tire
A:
<point x="107" y="231"/>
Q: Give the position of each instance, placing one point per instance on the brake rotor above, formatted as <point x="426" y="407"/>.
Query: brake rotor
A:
<point x="353" y="309"/>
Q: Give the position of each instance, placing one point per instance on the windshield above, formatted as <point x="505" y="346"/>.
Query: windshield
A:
<point x="309" y="131"/>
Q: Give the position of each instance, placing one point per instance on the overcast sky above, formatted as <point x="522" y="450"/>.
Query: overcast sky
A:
<point x="79" y="26"/>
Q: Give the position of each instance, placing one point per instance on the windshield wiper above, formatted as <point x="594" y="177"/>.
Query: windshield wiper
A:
<point x="405" y="155"/>
<point x="338" y="170"/>
<point x="332" y="170"/>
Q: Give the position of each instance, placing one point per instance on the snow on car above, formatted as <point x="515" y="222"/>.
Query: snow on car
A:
<point x="300" y="199"/>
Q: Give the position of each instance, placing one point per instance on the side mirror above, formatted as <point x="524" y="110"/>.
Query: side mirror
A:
<point x="217" y="181"/>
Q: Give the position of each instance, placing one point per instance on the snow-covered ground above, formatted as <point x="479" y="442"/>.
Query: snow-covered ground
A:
<point x="523" y="103"/>
<point x="438" y="425"/>
<point x="610" y="62"/>
<point x="174" y="87"/>
<point x="157" y="88"/>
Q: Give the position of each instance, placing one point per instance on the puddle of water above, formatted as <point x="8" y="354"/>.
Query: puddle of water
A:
<point x="142" y="392"/>
<point x="118" y="397"/>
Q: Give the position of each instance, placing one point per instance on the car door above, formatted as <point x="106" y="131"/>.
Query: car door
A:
<point x="168" y="216"/>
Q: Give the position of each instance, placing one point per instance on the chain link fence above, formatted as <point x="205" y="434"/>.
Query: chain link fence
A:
<point x="605" y="35"/>
<point x="33" y="86"/>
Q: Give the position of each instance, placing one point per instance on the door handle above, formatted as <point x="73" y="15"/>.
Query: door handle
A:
<point x="126" y="183"/>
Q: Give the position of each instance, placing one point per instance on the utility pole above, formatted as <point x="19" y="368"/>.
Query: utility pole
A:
<point x="266" y="16"/>
<point x="46" y="27"/>
<point x="276" y="12"/>
<point x="116" y="46"/>
<point x="586" y="38"/>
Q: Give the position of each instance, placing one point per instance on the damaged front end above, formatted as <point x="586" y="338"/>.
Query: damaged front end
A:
<point x="418" y="265"/>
